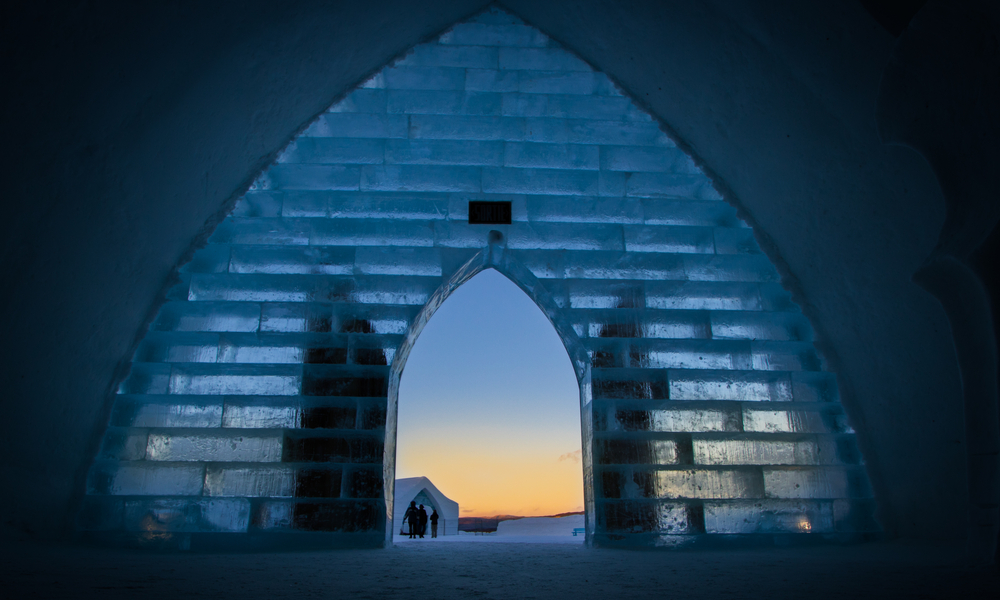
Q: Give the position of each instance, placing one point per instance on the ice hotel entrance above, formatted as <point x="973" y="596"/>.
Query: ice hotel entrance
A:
<point x="261" y="403"/>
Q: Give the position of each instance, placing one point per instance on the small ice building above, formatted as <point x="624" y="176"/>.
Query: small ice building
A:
<point x="422" y="491"/>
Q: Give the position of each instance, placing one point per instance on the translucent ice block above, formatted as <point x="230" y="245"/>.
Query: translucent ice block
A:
<point x="165" y="411"/>
<point x="208" y="316"/>
<point x="729" y="268"/>
<point x="358" y="232"/>
<point x="232" y="447"/>
<point x="181" y="515"/>
<point x="609" y="265"/>
<point x="690" y="354"/>
<point x="676" y="211"/>
<point x="676" y="420"/>
<point x="314" y="150"/>
<point x="123" y="444"/>
<point x="730" y="385"/>
<point x="312" y="177"/>
<point x="575" y="106"/>
<point x="631" y="452"/>
<point x="769" y="516"/>
<point x="292" y="260"/>
<point x="448" y="102"/>
<point x="146" y="479"/>
<point x="215" y="380"/>
<point x="260" y="288"/>
<point x="277" y="231"/>
<point x="261" y="352"/>
<point x="760" y="326"/>
<point x="803" y="482"/>
<point x="146" y="378"/>
<point x="445" y="152"/>
<point x="250" y="482"/>
<point x="399" y="261"/>
<point x="787" y="421"/>
<point x="561" y="236"/>
<point x="439" y="55"/>
<point x="763" y="452"/>
<point x="362" y="100"/>
<point x="261" y="416"/>
<point x="289" y="318"/>
<point x="178" y="347"/>
<point x="711" y="295"/>
<point x="581" y="131"/>
<point x="700" y="483"/>
<point x="583" y="209"/>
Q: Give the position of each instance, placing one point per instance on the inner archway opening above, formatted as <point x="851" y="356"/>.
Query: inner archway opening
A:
<point x="489" y="411"/>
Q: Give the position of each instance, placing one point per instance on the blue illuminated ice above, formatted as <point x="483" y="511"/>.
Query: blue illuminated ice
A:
<point x="706" y="408"/>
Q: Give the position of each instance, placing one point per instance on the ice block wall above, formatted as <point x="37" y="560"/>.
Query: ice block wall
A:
<point x="259" y="406"/>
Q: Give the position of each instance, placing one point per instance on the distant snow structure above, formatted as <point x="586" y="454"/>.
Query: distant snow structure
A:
<point x="541" y="525"/>
<point x="422" y="491"/>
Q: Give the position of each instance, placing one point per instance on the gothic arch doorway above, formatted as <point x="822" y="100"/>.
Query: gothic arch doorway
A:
<point x="260" y="403"/>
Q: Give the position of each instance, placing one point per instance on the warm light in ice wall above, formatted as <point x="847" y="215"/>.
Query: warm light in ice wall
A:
<point x="489" y="406"/>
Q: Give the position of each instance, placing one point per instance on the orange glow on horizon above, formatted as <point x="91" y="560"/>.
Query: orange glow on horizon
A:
<point x="535" y="480"/>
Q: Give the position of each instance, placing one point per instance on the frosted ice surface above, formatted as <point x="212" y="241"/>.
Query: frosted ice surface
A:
<point x="806" y="483"/>
<point x="769" y="517"/>
<point x="781" y="421"/>
<point x="241" y="380"/>
<point x="164" y="412"/>
<point x="241" y="416"/>
<point x="240" y="447"/>
<point x="250" y="482"/>
<point x="146" y="479"/>
<point x="762" y="452"/>
<point x="187" y="516"/>
<point x="677" y="420"/>
<point x="729" y="385"/>
<point x="700" y="483"/>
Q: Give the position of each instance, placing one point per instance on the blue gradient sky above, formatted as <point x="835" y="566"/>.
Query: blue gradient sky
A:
<point x="489" y="405"/>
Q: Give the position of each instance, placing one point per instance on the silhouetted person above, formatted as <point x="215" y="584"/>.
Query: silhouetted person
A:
<point x="434" y="523"/>
<point x="422" y="514"/>
<point x="412" y="518"/>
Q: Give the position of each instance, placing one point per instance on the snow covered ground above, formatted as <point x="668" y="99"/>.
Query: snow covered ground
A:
<point x="529" y="530"/>
<point x="477" y="569"/>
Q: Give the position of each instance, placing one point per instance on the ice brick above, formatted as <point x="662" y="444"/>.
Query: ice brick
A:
<point x="818" y="482"/>
<point x="213" y="447"/>
<point x="164" y="411"/>
<point x="146" y="479"/>
<point x="709" y="484"/>
<point x="747" y="386"/>
<point x="790" y="421"/>
<point x="250" y="482"/>
<point x="177" y="515"/>
<point x="769" y="516"/>
<point x="763" y="452"/>
<point x="217" y="380"/>
<point x="438" y="55"/>
<point x="444" y="152"/>
<point x="252" y="416"/>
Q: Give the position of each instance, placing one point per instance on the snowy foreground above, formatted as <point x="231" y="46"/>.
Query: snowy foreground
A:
<point x="467" y="569"/>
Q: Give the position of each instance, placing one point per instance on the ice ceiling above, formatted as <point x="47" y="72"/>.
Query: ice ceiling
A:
<point x="261" y="405"/>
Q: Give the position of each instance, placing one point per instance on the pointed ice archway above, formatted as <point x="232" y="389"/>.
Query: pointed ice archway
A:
<point x="259" y="404"/>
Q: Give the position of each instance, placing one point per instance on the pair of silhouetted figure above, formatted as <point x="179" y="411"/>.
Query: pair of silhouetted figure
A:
<point x="417" y="519"/>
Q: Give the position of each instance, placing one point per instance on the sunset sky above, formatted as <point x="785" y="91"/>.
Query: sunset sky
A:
<point x="489" y="405"/>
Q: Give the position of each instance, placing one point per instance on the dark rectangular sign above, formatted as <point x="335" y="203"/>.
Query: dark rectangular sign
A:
<point x="489" y="213"/>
